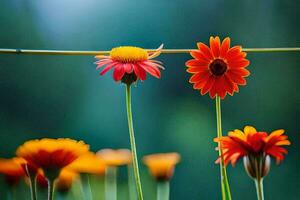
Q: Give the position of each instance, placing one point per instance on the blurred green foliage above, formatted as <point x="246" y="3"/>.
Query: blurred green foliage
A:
<point x="62" y="96"/>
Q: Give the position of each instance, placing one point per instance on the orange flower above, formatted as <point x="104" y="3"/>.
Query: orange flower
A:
<point x="218" y="69"/>
<point x="115" y="158"/>
<point x="89" y="163"/>
<point x="252" y="143"/>
<point x="162" y="165"/>
<point x="12" y="170"/>
<point x="52" y="154"/>
<point x="130" y="63"/>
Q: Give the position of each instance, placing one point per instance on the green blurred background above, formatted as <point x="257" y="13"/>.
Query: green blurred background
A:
<point x="63" y="96"/>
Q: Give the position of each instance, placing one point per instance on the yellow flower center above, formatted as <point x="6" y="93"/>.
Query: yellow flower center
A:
<point x="128" y="54"/>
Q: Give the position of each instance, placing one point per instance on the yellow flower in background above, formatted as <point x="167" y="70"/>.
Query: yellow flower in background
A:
<point x="162" y="165"/>
<point x="89" y="163"/>
<point x="115" y="158"/>
<point x="52" y="154"/>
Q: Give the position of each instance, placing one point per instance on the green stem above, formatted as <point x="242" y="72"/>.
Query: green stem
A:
<point x="131" y="185"/>
<point x="163" y="190"/>
<point x="259" y="180"/>
<point x="111" y="183"/>
<point x="86" y="186"/>
<point x="50" y="189"/>
<point x="132" y="142"/>
<point x="32" y="183"/>
<point x="226" y="194"/>
<point x="259" y="189"/>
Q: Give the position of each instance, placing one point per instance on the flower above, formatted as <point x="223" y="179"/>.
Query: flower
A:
<point x="255" y="147"/>
<point x="89" y="163"/>
<point x="52" y="154"/>
<point x="218" y="69"/>
<point x="115" y="158"/>
<point x="162" y="165"/>
<point x="130" y="63"/>
<point x="12" y="170"/>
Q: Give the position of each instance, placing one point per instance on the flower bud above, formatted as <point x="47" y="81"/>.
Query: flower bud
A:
<point x="257" y="166"/>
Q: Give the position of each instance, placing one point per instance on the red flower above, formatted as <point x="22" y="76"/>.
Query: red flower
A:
<point x="252" y="143"/>
<point x="130" y="63"/>
<point x="218" y="69"/>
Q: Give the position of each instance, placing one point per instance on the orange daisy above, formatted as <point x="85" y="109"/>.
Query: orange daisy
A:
<point x="218" y="69"/>
<point x="130" y="63"/>
<point x="12" y="170"/>
<point x="115" y="158"/>
<point x="253" y="143"/>
<point x="52" y="154"/>
<point x="162" y="165"/>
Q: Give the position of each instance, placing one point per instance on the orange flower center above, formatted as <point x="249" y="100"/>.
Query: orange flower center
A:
<point x="218" y="67"/>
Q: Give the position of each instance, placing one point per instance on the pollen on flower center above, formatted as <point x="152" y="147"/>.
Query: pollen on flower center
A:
<point x="218" y="67"/>
<point x="128" y="54"/>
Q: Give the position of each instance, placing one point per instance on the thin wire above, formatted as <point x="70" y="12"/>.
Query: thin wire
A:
<point x="165" y="51"/>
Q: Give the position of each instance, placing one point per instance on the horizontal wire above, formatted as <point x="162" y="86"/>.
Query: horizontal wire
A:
<point x="165" y="51"/>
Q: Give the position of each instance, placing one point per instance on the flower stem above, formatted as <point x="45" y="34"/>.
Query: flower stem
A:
<point x="163" y="190"/>
<point x="50" y="189"/>
<point x="111" y="183"/>
<point x="32" y="183"/>
<point x="132" y="143"/>
<point x="86" y="186"/>
<point x="226" y="194"/>
<point x="259" y="189"/>
<point x="259" y="179"/>
<point x="131" y="185"/>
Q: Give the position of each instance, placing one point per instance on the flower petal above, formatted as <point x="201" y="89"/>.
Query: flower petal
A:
<point x="205" y="50"/>
<point x="140" y="72"/>
<point x="118" y="72"/>
<point x="215" y="46"/>
<point x="224" y="47"/>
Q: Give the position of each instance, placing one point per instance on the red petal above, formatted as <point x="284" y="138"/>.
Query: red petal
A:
<point x="236" y="78"/>
<point x="102" y="63"/>
<point x="234" y="52"/>
<point x="151" y="70"/>
<point x="238" y="63"/>
<point x="208" y="85"/>
<point x="241" y="71"/>
<point x="140" y="72"/>
<point x="107" y="68"/>
<point x="199" y="56"/>
<point x="118" y="72"/>
<point x="215" y="46"/>
<point x="128" y="67"/>
<point x="205" y="50"/>
<point x="194" y="70"/>
<point x="195" y="63"/>
<point x="225" y="47"/>
<point x="199" y="76"/>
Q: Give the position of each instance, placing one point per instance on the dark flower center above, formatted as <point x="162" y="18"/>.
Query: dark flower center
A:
<point x="218" y="67"/>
